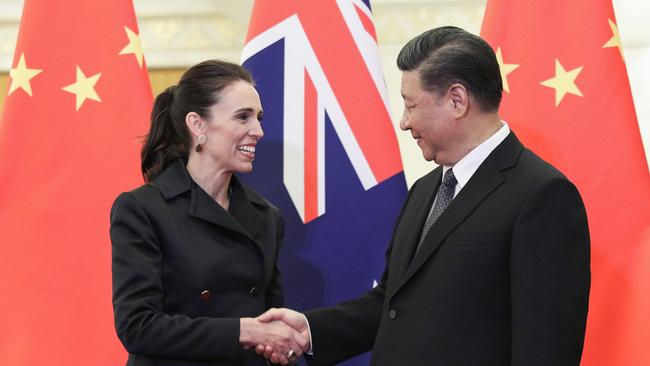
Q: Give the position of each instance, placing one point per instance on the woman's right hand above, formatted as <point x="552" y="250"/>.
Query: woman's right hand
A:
<point x="276" y="334"/>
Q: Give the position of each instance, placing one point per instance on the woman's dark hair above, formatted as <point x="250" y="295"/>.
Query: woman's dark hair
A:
<point x="449" y="55"/>
<point x="198" y="89"/>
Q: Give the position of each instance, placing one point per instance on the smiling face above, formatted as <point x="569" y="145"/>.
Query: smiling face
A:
<point x="430" y="119"/>
<point x="233" y="128"/>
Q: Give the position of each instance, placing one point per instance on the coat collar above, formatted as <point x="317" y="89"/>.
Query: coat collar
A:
<point x="243" y="217"/>
<point x="484" y="181"/>
<point x="174" y="180"/>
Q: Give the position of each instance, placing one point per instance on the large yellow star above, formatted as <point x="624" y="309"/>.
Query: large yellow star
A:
<point x="505" y="70"/>
<point x="21" y="75"/>
<point x="564" y="82"/>
<point x="134" y="47"/>
<point x="615" y="41"/>
<point x="84" y="88"/>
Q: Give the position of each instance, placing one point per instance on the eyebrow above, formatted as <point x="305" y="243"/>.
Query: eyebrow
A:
<point x="249" y="110"/>
<point x="244" y="110"/>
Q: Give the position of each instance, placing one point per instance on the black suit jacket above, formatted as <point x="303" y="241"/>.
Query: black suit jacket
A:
<point x="502" y="277"/>
<point x="185" y="270"/>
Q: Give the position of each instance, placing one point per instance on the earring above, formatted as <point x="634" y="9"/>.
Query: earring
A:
<point x="201" y="140"/>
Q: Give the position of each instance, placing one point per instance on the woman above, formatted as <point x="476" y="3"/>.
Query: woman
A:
<point x="195" y="250"/>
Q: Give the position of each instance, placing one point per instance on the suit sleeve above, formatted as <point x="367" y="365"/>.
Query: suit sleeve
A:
<point x="347" y="329"/>
<point x="141" y="324"/>
<point x="350" y="328"/>
<point x="274" y="293"/>
<point x="550" y="277"/>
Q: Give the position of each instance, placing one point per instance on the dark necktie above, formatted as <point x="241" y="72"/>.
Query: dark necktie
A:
<point x="443" y="198"/>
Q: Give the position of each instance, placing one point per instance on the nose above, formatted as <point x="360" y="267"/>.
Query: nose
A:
<point x="256" y="131"/>
<point x="404" y="124"/>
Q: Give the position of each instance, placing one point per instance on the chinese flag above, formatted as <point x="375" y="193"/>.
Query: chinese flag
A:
<point x="568" y="98"/>
<point x="78" y="100"/>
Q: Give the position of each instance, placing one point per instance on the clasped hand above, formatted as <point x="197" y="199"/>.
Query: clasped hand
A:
<point x="280" y="335"/>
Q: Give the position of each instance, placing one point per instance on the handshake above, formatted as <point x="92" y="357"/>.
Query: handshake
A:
<point x="280" y="335"/>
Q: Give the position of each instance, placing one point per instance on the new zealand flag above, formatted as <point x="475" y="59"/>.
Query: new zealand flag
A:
<point x="329" y="158"/>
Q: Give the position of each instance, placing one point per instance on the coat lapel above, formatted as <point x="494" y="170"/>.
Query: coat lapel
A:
<point x="484" y="181"/>
<point x="243" y="217"/>
<point x="245" y="206"/>
<point x="203" y="207"/>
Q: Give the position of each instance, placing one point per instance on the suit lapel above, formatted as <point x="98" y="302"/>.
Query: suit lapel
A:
<point x="416" y="214"/>
<point x="484" y="181"/>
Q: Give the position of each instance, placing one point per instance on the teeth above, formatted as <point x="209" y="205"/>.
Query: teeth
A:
<point x="250" y="149"/>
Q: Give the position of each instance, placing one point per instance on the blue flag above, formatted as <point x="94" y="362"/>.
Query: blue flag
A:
<point x="329" y="158"/>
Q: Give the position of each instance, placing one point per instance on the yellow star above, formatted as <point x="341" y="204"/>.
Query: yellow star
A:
<point x="615" y="41"/>
<point x="563" y="82"/>
<point x="84" y="88"/>
<point x="505" y="70"/>
<point x="21" y="75"/>
<point x="134" y="46"/>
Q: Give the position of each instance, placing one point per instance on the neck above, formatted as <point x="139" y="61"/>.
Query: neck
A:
<point x="213" y="180"/>
<point x="478" y="128"/>
<point x="485" y="125"/>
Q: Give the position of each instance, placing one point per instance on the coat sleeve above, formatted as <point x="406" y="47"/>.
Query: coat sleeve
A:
<point x="274" y="293"/>
<point x="550" y="277"/>
<point x="141" y="323"/>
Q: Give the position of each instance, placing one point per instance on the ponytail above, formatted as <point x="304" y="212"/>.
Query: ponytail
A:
<point x="165" y="142"/>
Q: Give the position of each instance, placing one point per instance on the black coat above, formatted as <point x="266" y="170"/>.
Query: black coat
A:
<point x="502" y="277"/>
<point x="185" y="270"/>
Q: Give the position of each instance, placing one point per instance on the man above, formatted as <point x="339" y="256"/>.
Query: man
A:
<point x="489" y="260"/>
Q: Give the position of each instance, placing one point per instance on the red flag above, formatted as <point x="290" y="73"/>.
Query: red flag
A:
<point x="568" y="98"/>
<point x="78" y="100"/>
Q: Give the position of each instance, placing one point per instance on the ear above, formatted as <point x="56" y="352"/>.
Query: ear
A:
<point x="195" y="124"/>
<point x="458" y="99"/>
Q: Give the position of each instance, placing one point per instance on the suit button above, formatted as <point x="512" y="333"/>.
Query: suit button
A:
<point x="255" y="291"/>
<point x="392" y="314"/>
<point x="206" y="294"/>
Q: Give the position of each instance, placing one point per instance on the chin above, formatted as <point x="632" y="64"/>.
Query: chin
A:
<point x="428" y="156"/>
<point x="244" y="168"/>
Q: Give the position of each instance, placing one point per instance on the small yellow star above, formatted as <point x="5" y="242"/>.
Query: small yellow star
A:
<point x="21" y="75"/>
<point x="134" y="46"/>
<point x="563" y="82"/>
<point x="83" y="88"/>
<point x="615" y="41"/>
<point x="505" y="70"/>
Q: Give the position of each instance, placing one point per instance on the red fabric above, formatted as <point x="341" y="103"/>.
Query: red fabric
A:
<point x="60" y="170"/>
<point x="594" y="139"/>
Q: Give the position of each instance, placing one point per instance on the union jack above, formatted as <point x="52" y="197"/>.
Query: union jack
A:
<point x="331" y="65"/>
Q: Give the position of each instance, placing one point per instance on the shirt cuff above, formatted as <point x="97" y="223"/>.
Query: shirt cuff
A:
<point x="311" y="343"/>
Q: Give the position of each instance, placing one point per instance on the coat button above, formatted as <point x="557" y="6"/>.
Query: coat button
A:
<point x="392" y="314"/>
<point x="205" y="294"/>
<point x="255" y="291"/>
